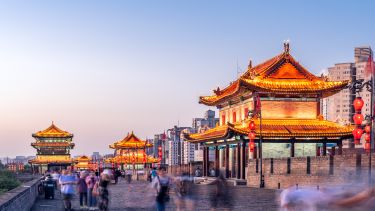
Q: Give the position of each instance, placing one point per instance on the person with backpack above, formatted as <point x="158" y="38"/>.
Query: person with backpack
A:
<point x="92" y="190"/>
<point x="161" y="184"/>
<point x="82" y="190"/>
<point x="67" y="181"/>
<point x="103" y="191"/>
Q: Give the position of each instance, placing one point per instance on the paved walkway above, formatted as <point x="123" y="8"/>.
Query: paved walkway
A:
<point x="138" y="196"/>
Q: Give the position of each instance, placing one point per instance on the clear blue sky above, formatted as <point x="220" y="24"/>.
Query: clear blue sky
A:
<point x="102" y="68"/>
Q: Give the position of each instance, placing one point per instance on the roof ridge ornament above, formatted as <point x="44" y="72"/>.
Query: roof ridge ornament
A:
<point x="250" y="64"/>
<point x="286" y="46"/>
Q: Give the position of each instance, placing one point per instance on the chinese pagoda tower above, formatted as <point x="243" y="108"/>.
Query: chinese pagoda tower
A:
<point x="131" y="152"/>
<point x="288" y="97"/>
<point x="53" y="147"/>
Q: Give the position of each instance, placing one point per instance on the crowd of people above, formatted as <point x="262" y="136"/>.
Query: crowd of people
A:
<point x="89" y="186"/>
<point x="93" y="193"/>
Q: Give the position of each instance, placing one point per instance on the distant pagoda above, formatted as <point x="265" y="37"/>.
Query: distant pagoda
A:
<point x="131" y="151"/>
<point x="53" y="147"/>
<point x="82" y="163"/>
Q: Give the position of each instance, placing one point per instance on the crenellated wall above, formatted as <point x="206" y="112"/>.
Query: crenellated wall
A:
<point x="21" y="198"/>
<point x="310" y="171"/>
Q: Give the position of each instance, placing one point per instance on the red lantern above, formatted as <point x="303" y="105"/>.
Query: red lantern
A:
<point x="357" y="133"/>
<point x="368" y="129"/>
<point x="367" y="146"/>
<point x="367" y="137"/>
<point x="358" y="104"/>
<point x="358" y="119"/>
<point x="251" y="146"/>
<point x="252" y="125"/>
<point x="251" y="135"/>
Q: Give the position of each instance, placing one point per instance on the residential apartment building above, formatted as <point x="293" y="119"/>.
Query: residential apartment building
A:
<point x="338" y="108"/>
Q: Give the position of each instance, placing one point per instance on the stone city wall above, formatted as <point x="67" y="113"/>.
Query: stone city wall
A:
<point x="310" y="171"/>
<point x="21" y="198"/>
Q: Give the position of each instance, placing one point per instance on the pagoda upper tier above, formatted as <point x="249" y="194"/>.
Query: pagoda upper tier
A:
<point x="131" y="141"/>
<point x="280" y="76"/>
<point x="52" y="132"/>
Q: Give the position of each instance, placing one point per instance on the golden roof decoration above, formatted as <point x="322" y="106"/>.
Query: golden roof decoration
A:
<point x="129" y="159"/>
<point x="277" y="128"/>
<point x="83" y="158"/>
<point x="131" y="141"/>
<point x="52" y="132"/>
<point x="281" y="74"/>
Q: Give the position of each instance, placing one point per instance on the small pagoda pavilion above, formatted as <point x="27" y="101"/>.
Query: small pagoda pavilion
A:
<point x="130" y="153"/>
<point x="82" y="163"/>
<point x="292" y="123"/>
<point x="53" y="147"/>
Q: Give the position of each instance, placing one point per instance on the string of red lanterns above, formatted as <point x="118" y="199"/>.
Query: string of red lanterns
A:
<point x="358" y="119"/>
<point x="251" y="136"/>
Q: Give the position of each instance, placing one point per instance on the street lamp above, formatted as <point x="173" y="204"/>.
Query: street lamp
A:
<point x="256" y="113"/>
<point x="357" y="86"/>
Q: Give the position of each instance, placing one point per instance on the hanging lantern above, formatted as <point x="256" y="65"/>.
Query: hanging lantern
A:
<point x="358" y="104"/>
<point x="252" y="125"/>
<point x="358" y="119"/>
<point x="367" y="137"/>
<point x="367" y="146"/>
<point x="251" y="135"/>
<point x="368" y="129"/>
<point x="357" y="133"/>
<point x="251" y="145"/>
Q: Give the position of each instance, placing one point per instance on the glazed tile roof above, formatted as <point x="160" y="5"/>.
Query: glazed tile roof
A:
<point x="131" y="141"/>
<point x="281" y="74"/>
<point x="52" y="144"/>
<point x="277" y="128"/>
<point x="53" y="132"/>
<point x="130" y="159"/>
<point x="47" y="161"/>
<point x="82" y="158"/>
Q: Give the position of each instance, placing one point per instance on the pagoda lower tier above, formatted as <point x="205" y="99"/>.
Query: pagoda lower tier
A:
<point x="280" y="138"/>
<point x="277" y="131"/>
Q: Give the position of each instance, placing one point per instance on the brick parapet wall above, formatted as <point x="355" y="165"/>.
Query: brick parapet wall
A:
<point x="21" y="198"/>
<point x="323" y="170"/>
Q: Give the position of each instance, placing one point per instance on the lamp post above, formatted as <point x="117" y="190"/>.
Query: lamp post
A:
<point x="257" y="113"/>
<point x="357" y="86"/>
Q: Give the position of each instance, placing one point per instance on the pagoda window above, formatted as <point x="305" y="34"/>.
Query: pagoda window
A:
<point x="222" y="119"/>
<point x="234" y="117"/>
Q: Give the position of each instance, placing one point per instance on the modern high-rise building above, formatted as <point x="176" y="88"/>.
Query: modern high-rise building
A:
<point x="338" y="108"/>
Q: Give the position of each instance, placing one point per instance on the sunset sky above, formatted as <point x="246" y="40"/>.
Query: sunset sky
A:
<point x="100" y="69"/>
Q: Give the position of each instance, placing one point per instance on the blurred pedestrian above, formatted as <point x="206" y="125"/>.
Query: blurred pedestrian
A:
<point x="197" y="172"/>
<point x="82" y="190"/>
<point x="162" y="184"/>
<point x="67" y="181"/>
<point x="103" y="191"/>
<point x="184" y="192"/>
<point x="117" y="174"/>
<point x="128" y="175"/>
<point x="221" y="197"/>
<point x="92" y="190"/>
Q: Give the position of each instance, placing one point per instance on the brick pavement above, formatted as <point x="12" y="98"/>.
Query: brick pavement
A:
<point x="138" y="196"/>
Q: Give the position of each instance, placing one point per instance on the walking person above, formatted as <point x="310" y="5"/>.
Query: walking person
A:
<point x="161" y="184"/>
<point x="82" y="190"/>
<point x="67" y="181"/>
<point x="103" y="192"/>
<point x="221" y="197"/>
<point x="92" y="190"/>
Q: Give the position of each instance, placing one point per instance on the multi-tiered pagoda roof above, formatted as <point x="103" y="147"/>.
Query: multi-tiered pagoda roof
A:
<point x="280" y="77"/>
